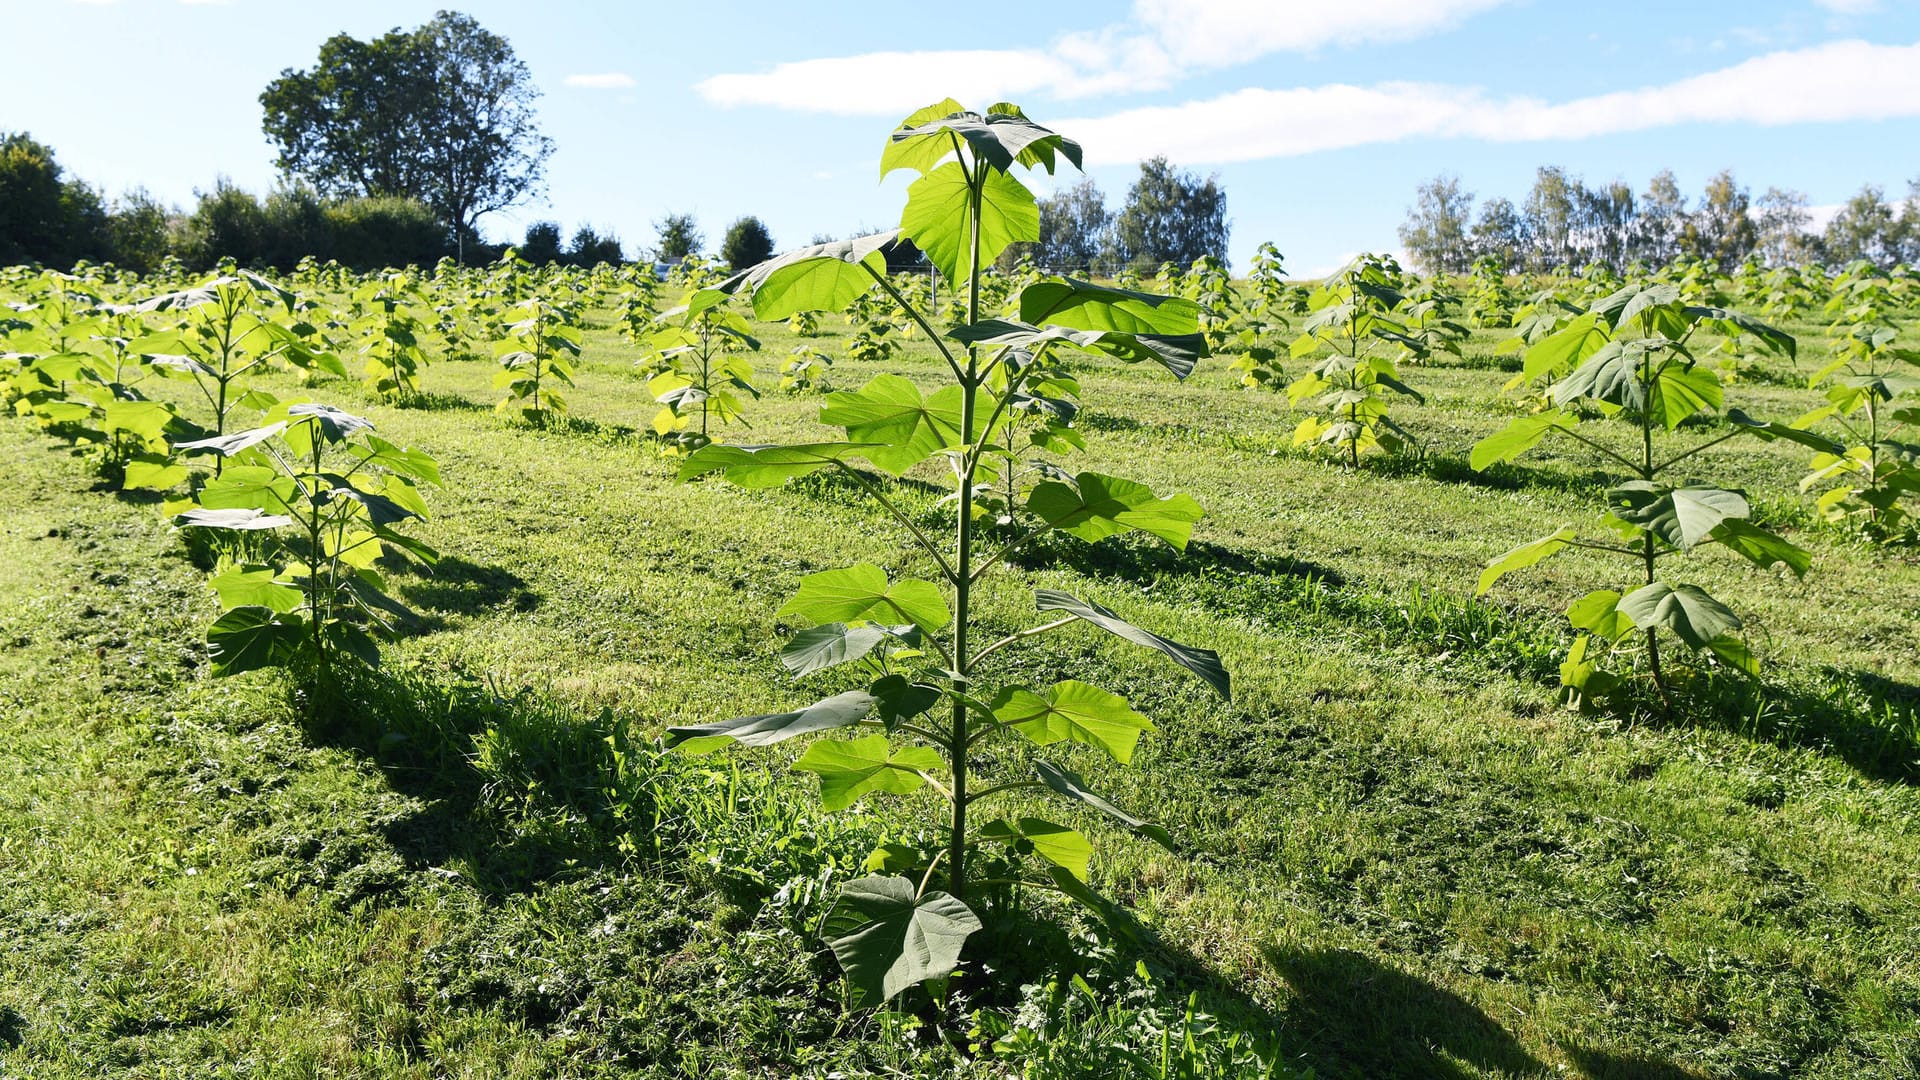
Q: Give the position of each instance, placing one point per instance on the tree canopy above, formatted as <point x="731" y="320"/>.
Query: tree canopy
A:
<point x="1171" y="216"/>
<point x="747" y="242"/>
<point x="442" y="113"/>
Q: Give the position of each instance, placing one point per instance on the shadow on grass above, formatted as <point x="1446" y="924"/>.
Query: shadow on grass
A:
<point x="1140" y="561"/>
<point x="1353" y="1016"/>
<point x="1606" y="1065"/>
<point x="512" y="791"/>
<point x="442" y="402"/>
<point x="1870" y="722"/>
<point x="455" y="586"/>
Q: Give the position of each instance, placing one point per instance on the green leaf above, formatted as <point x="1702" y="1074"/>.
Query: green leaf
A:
<point x="900" y="427"/>
<point x="242" y="486"/>
<point x="887" y="939"/>
<point x="1202" y="662"/>
<point x="765" y="729"/>
<point x="1000" y="138"/>
<point x="1524" y="556"/>
<point x="914" y="145"/>
<point x="1096" y="506"/>
<point x="1082" y="305"/>
<point x="145" y="420"/>
<point x="862" y="592"/>
<point x="1769" y="430"/>
<point x="1683" y="516"/>
<point x="229" y="445"/>
<point x="1599" y="612"/>
<point x="334" y="424"/>
<point x="248" y="638"/>
<point x="820" y="647"/>
<point x="1177" y="353"/>
<point x="254" y="586"/>
<point x="766" y="466"/>
<point x="897" y="700"/>
<point x="937" y="218"/>
<point x="153" y="472"/>
<point x="1057" y="844"/>
<point x="1073" y="710"/>
<point x="241" y="519"/>
<point x="1564" y="349"/>
<point x="1761" y="547"/>
<point x="851" y="768"/>
<point x="820" y="277"/>
<point x="1518" y="437"/>
<point x="1687" y="610"/>
<point x="1734" y="652"/>
<point x="1068" y="783"/>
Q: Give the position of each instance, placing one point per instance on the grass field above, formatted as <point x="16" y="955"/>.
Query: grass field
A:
<point x="1399" y="855"/>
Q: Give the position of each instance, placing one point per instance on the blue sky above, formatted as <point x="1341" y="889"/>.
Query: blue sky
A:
<point x="1320" y="118"/>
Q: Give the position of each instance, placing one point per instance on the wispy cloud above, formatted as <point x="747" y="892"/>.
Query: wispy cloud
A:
<point x="1163" y="41"/>
<point x="1849" y="80"/>
<point x="611" y="80"/>
<point x="1849" y="7"/>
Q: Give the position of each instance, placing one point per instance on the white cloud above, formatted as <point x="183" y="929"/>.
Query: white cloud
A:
<point x="1849" y="7"/>
<point x="1163" y="40"/>
<point x="612" y="80"/>
<point x="1848" y="80"/>
<point x="1217" y="33"/>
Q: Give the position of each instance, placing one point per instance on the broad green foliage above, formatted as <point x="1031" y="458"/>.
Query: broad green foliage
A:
<point x="1356" y="320"/>
<point x="1628" y="357"/>
<point x="389" y="335"/>
<point x="332" y="496"/>
<point x="1864" y="383"/>
<point x="537" y="353"/>
<point x="911" y="634"/>
<point x="699" y="347"/>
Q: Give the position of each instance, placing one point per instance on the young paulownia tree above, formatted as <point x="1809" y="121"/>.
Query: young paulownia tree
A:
<point x="930" y="703"/>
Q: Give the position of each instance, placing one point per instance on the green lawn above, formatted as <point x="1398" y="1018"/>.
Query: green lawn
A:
<point x="1398" y="855"/>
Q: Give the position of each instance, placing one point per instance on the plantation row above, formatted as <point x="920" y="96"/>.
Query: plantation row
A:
<point x="295" y="503"/>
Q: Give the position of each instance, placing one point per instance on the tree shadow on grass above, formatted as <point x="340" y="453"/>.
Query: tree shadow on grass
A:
<point x="1142" y="561"/>
<point x="455" y="586"/>
<point x="1607" y="1065"/>
<point x="442" y="402"/>
<point x="510" y="790"/>
<point x="1866" y="720"/>
<point x="1353" y="1016"/>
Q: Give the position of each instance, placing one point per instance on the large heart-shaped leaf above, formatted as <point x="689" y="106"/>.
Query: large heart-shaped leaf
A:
<point x="248" y="638"/>
<point x="937" y="218"/>
<point x="1073" y="710"/>
<point x="1096" y="506"/>
<point x="900" y="427"/>
<point x="1564" y="349"/>
<point x="862" y="591"/>
<point x="1761" y="547"/>
<point x="888" y="939"/>
<point x="1202" y="662"/>
<point x="1001" y="137"/>
<point x="1683" y="516"/>
<point x="820" y="647"/>
<point x="1082" y="305"/>
<point x="765" y="729"/>
<point x="1694" y="617"/>
<point x="820" y="277"/>
<point x="256" y="586"/>
<point x="851" y="768"/>
<point x="228" y="445"/>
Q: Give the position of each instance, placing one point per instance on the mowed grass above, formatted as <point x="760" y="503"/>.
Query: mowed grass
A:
<point x="1398" y="855"/>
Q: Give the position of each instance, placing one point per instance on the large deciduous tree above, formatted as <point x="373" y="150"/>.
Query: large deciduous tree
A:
<point x="748" y="243"/>
<point x="443" y="113"/>
<point x="1436" y="230"/>
<point x="1172" y="216"/>
<point x="1076" y="229"/>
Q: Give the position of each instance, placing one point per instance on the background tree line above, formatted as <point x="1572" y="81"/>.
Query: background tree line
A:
<point x="1168" y="216"/>
<point x="1563" y="223"/>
